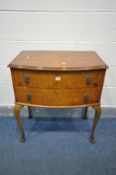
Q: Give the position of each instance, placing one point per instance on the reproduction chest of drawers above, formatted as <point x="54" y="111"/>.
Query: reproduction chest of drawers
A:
<point x="58" y="79"/>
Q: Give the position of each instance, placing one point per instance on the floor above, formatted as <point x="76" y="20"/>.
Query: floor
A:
<point x="57" y="147"/>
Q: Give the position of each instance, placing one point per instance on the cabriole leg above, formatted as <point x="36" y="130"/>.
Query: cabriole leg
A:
<point x="95" y="121"/>
<point x="17" y="109"/>
<point x="85" y="113"/>
<point x="29" y="113"/>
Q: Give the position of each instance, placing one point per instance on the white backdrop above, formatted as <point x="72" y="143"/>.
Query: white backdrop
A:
<point x="58" y="25"/>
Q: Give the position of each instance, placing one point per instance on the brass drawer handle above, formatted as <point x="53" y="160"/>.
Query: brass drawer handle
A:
<point x="28" y="97"/>
<point x="26" y="78"/>
<point x="86" y="98"/>
<point x="89" y="80"/>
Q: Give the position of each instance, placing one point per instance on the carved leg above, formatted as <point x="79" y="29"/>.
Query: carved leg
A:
<point x="17" y="109"/>
<point x="95" y="121"/>
<point x="29" y="112"/>
<point x="85" y="113"/>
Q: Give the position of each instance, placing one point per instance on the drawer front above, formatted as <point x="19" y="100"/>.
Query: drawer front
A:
<point x="55" y="97"/>
<point x="58" y="80"/>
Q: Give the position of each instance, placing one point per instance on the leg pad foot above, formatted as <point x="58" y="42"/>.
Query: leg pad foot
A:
<point x="92" y="140"/>
<point x="22" y="139"/>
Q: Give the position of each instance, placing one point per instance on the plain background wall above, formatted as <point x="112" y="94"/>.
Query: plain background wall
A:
<point x="58" y="25"/>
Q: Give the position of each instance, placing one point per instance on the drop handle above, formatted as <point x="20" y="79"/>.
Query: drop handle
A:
<point x="28" y="97"/>
<point x="86" y="98"/>
<point x="26" y="78"/>
<point x="89" y="81"/>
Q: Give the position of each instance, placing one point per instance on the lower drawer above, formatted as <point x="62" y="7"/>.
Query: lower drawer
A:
<point x="49" y="97"/>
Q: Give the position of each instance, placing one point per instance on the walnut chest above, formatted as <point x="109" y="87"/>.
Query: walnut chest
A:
<point x="58" y="79"/>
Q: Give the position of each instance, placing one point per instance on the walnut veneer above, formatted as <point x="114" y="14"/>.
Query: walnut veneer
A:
<point x="58" y="79"/>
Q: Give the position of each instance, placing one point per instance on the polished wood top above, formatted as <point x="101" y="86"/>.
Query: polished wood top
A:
<point x="58" y="60"/>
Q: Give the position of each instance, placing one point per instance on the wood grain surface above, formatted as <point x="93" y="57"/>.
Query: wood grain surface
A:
<point x="58" y="60"/>
<point x="59" y="79"/>
<point x="57" y="97"/>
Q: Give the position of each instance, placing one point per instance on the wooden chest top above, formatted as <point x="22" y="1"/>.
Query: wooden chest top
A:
<point x="58" y="60"/>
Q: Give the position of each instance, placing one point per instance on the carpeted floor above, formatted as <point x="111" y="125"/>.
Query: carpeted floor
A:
<point x="57" y="147"/>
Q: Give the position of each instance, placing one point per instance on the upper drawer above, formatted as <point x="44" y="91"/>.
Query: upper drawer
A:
<point x="58" y="79"/>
